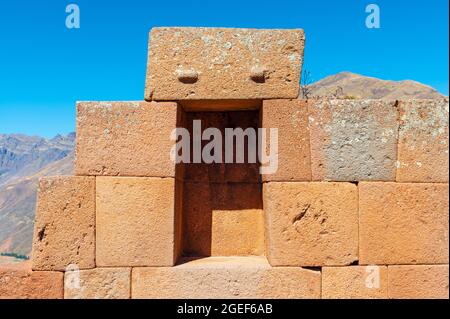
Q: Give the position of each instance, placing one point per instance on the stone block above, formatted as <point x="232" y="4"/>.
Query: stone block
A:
<point x="136" y="222"/>
<point x="418" y="282"/>
<point x="64" y="231"/>
<point x="223" y="63"/>
<point x="290" y="117"/>
<point x="98" y="283"/>
<point x="403" y="223"/>
<point x="353" y="140"/>
<point x="225" y="278"/>
<point x="125" y="138"/>
<point x="311" y="224"/>
<point x="355" y="282"/>
<point x="423" y="141"/>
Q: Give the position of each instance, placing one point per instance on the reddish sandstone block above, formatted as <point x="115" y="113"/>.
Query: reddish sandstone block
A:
<point x="355" y="282"/>
<point x="215" y="277"/>
<point x="418" y="282"/>
<point x="403" y="223"/>
<point x="135" y="222"/>
<point x="223" y="219"/>
<point x="99" y="283"/>
<point x="353" y="140"/>
<point x="64" y="231"/>
<point x="125" y="138"/>
<point x="423" y="141"/>
<point x="223" y="63"/>
<point x="311" y="224"/>
<point x="25" y="284"/>
<point x="290" y="117"/>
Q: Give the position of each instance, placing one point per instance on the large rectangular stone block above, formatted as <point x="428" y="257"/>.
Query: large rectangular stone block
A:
<point x="98" y="283"/>
<point x="223" y="219"/>
<point x="222" y="63"/>
<point x="353" y="140"/>
<point x="64" y="231"/>
<point x="403" y="223"/>
<point x="355" y="282"/>
<point x="290" y="118"/>
<point x="224" y="278"/>
<point x="25" y="284"/>
<point x="136" y="222"/>
<point x="418" y="282"/>
<point x="423" y="141"/>
<point x="311" y="224"/>
<point x="125" y="138"/>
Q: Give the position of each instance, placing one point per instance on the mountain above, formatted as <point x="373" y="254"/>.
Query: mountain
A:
<point x="23" y="160"/>
<point x="355" y="86"/>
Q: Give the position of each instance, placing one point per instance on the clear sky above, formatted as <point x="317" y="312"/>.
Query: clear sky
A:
<point x="45" y="67"/>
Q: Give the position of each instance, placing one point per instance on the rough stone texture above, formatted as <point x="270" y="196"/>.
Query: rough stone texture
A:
<point x="423" y="141"/>
<point x="64" y="231"/>
<point x="311" y="224"/>
<point x="353" y="140"/>
<point x="25" y="284"/>
<point x="403" y="223"/>
<point x="219" y="63"/>
<point x="223" y="172"/>
<point x="215" y="277"/>
<point x="220" y="105"/>
<point x="125" y="138"/>
<point x="135" y="221"/>
<point x="99" y="283"/>
<point x="290" y="117"/>
<point x="223" y="219"/>
<point x="418" y="282"/>
<point x="355" y="282"/>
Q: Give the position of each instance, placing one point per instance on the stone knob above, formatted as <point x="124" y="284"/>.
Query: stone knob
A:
<point x="258" y="74"/>
<point x="187" y="76"/>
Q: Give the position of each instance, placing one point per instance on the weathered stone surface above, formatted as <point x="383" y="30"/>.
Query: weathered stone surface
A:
<point x="125" y="138"/>
<point x="290" y="117"/>
<point x="64" y="232"/>
<point x="355" y="282"/>
<point x="25" y="284"/>
<point x="99" y="283"/>
<point x="223" y="172"/>
<point x="353" y="140"/>
<point x="418" y="282"/>
<point x="423" y="141"/>
<point x="219" y="105"/>
<point x="223" y="219"/>
<point x="403" y="223"/>
<point x="220" y="63"/>
<point x="135" y="221"/>
<point x="311" y="224"/>
<point x="215" y="277"/>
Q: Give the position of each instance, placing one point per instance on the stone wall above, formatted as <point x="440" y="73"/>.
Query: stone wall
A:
<point x="358" y="207"/>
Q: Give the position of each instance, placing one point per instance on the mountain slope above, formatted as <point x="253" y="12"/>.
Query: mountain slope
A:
<point x="350" y="85"/>
<point x="22" y="155"/>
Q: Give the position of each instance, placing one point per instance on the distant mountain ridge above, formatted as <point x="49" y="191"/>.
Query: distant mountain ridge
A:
<point x="22" y="155"/>
<point x="23" y="160"/>
<point x="355" y="86"/>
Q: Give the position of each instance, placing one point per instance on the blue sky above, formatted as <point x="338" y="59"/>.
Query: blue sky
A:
<point x="45" y="67"/>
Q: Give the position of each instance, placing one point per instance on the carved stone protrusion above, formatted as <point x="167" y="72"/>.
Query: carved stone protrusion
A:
<point x="258" y="74"/>
<point x="187" y="76"/>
